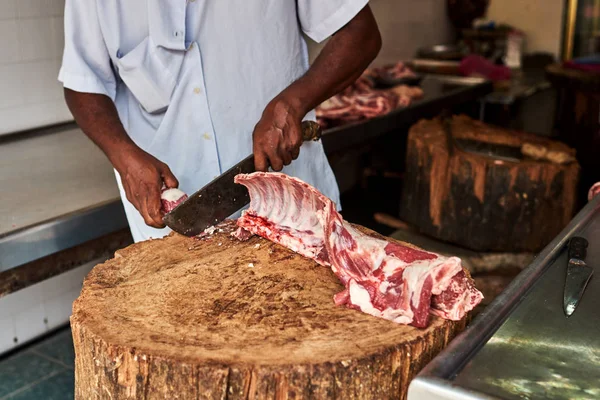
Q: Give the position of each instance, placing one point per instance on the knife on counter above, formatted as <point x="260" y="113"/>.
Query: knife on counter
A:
<point x="222" y="197"/>
<point x="578" y="274"/>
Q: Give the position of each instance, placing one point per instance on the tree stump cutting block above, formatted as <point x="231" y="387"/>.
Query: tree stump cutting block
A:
<point x="181" y="318"/>
<point x="486" y="203"/>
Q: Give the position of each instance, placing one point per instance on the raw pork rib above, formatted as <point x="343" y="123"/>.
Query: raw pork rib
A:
<point x="383" y="279"/>
<point x="171" y="198"/>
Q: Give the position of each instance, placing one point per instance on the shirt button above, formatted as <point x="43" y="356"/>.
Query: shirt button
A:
<point x="197" y="90"/>
<point x="206" y="136"/>
<point x="177" y="33"/>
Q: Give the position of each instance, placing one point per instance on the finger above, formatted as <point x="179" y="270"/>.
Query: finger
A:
<point x="260" y="161"/>
<point x="144" y="211"/>
<point x="295" y="153"/>
<point x="286" y="155"/>
<point x="275" y="160"/>
<point x="168" y="178"/>
<point x="131" y="197"/>
<point x="153" y="204"/>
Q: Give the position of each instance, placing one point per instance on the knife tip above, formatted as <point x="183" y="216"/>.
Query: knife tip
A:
<point x="569" y="309"/>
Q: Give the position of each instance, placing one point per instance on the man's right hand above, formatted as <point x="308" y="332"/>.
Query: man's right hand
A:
<point x="142" y="176"/>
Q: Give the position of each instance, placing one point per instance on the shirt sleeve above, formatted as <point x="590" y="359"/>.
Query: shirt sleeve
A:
<point x="86" y="63"/>
<point x="320" y="19"/>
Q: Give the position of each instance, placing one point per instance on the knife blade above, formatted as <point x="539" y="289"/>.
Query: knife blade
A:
<point x="221" y="197"/>
<point x="578" y="275"/>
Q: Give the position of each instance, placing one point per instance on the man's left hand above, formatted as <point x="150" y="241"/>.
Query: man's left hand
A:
<point x="277" y="137"/>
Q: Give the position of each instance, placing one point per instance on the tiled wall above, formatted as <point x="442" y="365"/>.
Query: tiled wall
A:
<point x="31" y="43"/>
<point x="405" y="26"/>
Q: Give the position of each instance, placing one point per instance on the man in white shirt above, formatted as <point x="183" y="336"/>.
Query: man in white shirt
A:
<point x="177" y="92"/>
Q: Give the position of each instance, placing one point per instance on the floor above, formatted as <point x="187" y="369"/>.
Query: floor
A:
<point x="42" y="370"/>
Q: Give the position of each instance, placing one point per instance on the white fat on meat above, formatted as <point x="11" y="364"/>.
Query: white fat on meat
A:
<point x="171" y="198"/>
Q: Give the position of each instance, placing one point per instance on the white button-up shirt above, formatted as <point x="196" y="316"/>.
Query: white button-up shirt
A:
<point x="191" y="79"/>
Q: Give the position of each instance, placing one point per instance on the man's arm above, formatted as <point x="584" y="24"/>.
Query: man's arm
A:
<point x="142" y="175"/>
<point x="277" y="137"/>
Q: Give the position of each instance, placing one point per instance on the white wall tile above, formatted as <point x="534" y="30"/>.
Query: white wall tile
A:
<point x="10" y="86"/>
<point x="29" y="116"/>
<point x="8" y="9"/>
<point x="34" y="8"/>
<point x="21" y="300"/>
<point x="36" y="39"/>
<point x="9" y="45"/>
<point x="29" y="323"/>
<point x="58" y="35"/>
<point x="7" y="333"/>
<point x="40" y="82"/>
<point x="57" y="8"/>
<point x="58" y="309"/>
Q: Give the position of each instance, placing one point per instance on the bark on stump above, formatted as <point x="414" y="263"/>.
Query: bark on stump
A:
<point x="180" y="318"/>
<point x="483" y="203"/>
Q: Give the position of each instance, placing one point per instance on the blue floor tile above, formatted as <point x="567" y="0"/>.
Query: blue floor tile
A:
<point x="23" y="369"/>
<point x="59" y="347"/>
<point x="58" y="387"/>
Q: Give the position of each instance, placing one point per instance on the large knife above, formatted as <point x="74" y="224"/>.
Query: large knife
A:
<point x="578" y="274"/>
<point x="222" y="197"/>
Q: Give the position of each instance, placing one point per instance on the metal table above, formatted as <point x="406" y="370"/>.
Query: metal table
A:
<point x="522" y="346"/>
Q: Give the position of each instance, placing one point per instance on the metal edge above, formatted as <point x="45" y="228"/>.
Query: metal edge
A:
<point x="458" y="80"/>
<point x="570" y="20"/>
<point x="438" y="389"/>
<point x="40" y="240"/>
<point x="452" y="359"/>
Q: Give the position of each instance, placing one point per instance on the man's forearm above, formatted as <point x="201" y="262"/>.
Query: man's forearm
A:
<point x="343" y="59"/>
<point x="98" y="118"/>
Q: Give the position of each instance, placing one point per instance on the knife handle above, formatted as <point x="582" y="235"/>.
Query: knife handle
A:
<point x="577" y="248"/>
<point x="311" y="131"/>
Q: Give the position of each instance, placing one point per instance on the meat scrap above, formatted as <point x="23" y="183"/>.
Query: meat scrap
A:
<point x="362" y="101"/>
<point x="394" y="71"/>
<point x="171" y="198"/>
<point x="594" y="191"/>
<point x="384" y="279"/>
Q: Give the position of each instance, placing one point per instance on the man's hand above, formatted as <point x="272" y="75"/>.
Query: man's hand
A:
<point x="277" y="136"/>
<point x="142" y="176"/>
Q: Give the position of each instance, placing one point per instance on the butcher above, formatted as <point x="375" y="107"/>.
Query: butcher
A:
<point x="175" y="93"/>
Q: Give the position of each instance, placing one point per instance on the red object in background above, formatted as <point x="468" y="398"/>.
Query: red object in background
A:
<point x="593" y="68"/>
<point x="594" y="191"/>
<point x="474" y="65"/>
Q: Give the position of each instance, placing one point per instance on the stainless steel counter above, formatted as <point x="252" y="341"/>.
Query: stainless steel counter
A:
<point x="58" y="190"/>
<point x="522" y="346"/>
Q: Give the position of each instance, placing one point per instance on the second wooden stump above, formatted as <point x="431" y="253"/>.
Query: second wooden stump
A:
<point x="484" y="203"/>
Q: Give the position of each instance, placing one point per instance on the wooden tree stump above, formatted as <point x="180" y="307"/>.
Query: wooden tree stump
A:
<point x="484" y="203"/>
<point x="180" y="318"/>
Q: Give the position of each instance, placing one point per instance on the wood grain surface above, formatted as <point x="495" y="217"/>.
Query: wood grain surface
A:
<point x="223" y="319"/>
